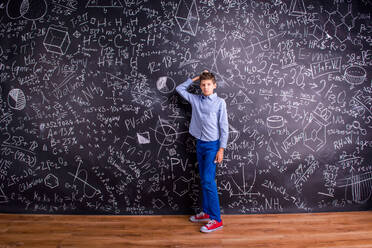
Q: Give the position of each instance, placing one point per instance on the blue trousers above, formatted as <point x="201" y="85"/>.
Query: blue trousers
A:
<point x="206" y="153"/>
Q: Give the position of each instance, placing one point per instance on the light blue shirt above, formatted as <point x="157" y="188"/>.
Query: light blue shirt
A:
<point x="209" y="116"/>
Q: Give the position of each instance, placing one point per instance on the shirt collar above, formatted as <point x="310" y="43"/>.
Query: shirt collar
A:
<point x="210" y="97"/>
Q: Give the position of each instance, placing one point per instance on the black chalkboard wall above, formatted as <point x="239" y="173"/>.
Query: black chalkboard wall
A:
<point x="91" y="122"/>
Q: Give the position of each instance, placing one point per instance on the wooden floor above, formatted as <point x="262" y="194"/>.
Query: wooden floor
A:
<point x="346" y="230"/>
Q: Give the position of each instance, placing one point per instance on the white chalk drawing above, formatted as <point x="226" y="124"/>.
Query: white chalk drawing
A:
<point x="255" y="27"/>
<point x="234" y="134"/>
<point x="297" y="8"/>
<point x="317" y="32"/>
<point x="181" y="186"/>
<point x="165" y="84"/>
<point x="265" y="44"/>
<point x="157" y="203"/>
<point x="51" y="181"/>
<point x="188" y="20"/>
<point x="275" y="121"/>
<point x="103" y="4"/>
<point x="355" y="75"/>
<point x="165" y="134"/>
<point x="3" y="197"/>
<point x="338" y="25"/>
<point x="143" y="138"/>
<point x="241" y="98"/>
<point x="356" y="125"/>
<point x="57" y="41"/>
<point x="361" y="187"/>
<point x="247" y="176"/>
<point x="17" y="99"/>
<point x="81" y="175"/>
<point x="272" y="148"/>
<point x="315" y="133"/>
<point x="27" y="9"/>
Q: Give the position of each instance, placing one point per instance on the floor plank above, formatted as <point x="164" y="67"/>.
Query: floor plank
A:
<point x="315" y="230"/>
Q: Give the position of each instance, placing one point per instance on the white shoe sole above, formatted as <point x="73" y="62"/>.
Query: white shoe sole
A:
<point x="205" y="230"/>
<point x="197" y="221"/>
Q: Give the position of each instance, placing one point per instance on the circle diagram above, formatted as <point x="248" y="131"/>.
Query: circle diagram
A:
<point x="165" y="135"/>
<point x="165" y="84"/>
<point x="16" y="99"/>
<point x="28" y="9"/>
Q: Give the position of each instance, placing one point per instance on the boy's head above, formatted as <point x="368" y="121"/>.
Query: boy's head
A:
<point x="207" y="83"/>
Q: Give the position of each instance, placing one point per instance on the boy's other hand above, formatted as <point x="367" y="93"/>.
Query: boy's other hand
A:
<point x="219" y="156"/>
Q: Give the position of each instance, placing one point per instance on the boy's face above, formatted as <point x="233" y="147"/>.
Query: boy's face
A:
<point x="207" y="86"/>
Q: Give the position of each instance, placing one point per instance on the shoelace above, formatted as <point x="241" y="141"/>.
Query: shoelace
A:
<point x="211" y="222"/>
<point x="200" y="214"/>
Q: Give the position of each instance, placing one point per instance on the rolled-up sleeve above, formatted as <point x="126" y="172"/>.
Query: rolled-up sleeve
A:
<point x="224" y="125"/>
<point x="182" y="90"/>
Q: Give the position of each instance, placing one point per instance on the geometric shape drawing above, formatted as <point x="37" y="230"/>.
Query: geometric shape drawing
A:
<point x="242" y="183"/>
<point x="271" y="147"/>
<point x="297" y="8"/>
<point x="342" y="32"/>
<point x="165" y="134"/>
<point x="57" y="41"/>
<point x="165" y="84"/>
<point x="181" y="186"/>
<point x="3" y="197"/>
<point x="240" y="98"/>
<point x="318" y="33"/>
<point x="255" y="27"/>
<point x="103" y="4"/>
<point x="28" y="9"/>
<point x="355" y="75"/>
<point x="116" y="82"/>
<point x="16" y="99"/>
<point x="158" y="203"/>
<point x="187" y="17"/>
<point x="51" y="181"/>
<point x="143" y="138"/>
<point x="361" y="187"/>
<point x="275" y="121"/>
<point x="315" y="133"/>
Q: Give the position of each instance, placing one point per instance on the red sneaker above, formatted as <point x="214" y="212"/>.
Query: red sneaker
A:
<point x="212" y="226"/>
<point x="199" y="217"/>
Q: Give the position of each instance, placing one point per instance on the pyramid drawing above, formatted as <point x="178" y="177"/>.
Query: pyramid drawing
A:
<point x="297" y="8"/>
<point x="104" y="4"/>
<point x="241" y="98"/>
<point x="187" y="17"/>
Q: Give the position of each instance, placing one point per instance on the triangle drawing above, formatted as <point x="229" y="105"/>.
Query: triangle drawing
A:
<point x="297" y="8"/>
<point x="3" y="197"/>
<point x="271" y="147"/>
<point x="241" y="98"/>
<point x="254" y="26"/>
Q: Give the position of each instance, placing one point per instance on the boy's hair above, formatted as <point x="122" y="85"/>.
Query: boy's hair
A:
<point x="206" y="76"/>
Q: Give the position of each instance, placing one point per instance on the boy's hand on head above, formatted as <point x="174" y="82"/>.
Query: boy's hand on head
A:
<point x="198" y="77"/>
<point x="219" y="156"/>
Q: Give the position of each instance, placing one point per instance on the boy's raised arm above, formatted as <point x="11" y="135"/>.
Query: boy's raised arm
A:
<point x="182" y="88"/>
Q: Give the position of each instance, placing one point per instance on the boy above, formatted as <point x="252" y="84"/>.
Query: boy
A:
<point x="209" y="125"/>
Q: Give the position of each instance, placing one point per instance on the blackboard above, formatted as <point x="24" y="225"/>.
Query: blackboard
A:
<point x="91" y="123"/>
